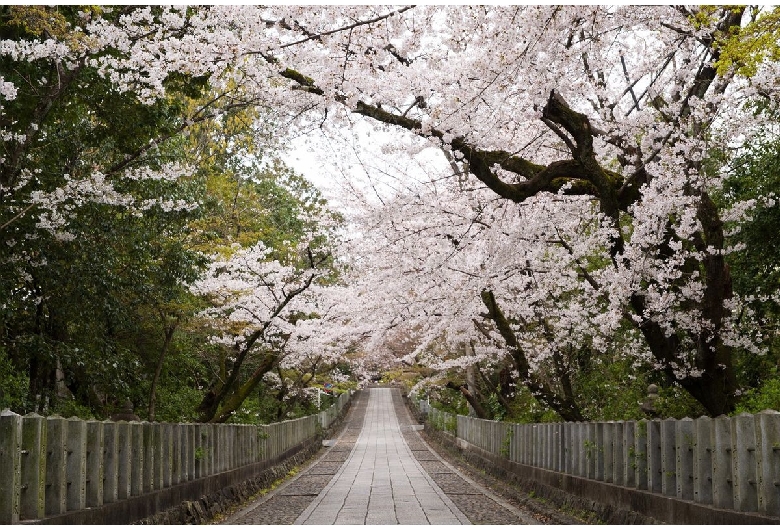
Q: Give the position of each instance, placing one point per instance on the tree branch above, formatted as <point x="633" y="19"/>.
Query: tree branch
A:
<point x="540" y="390"/>
<point x="243" y="350"/>
<point x="317" y="36"/>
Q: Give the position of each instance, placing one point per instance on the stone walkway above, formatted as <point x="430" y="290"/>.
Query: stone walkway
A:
<point x="380" y="471"/>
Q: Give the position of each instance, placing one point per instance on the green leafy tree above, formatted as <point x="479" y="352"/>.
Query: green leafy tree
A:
<point x="755" y="179"/>
<point x="91" y="212"/>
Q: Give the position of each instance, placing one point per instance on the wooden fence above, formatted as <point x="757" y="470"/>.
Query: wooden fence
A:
<point x="725" y="462"/>
<point x="50" y="466"/>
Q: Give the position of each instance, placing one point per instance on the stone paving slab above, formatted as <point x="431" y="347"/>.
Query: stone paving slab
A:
<point x="477" y="503"/>
<point x="285" y="505"/>
<point x="380" y="468"/>
<point x="435" y="466"/>
<point x="325" y="467"/>
<point x="308" y="485"/>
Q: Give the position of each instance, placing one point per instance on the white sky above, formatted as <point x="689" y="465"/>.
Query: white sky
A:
<point x="355" y="163"/>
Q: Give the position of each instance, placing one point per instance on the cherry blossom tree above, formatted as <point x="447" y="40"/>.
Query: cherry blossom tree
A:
<point x="268" y="315"/>
<point x="580" y="141"/>
<point x="250" y="292"/>
<point x="617" y="105"/>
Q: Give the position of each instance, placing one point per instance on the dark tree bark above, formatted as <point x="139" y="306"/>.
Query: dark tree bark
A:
<point x="479" y="410"/>
<point x="564" y="405"/>
<point x="168" y="330"/>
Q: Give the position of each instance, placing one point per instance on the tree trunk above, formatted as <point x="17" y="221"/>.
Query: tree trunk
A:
<point x="499" y="392"/>
<point x="169" y="331"/>
<point x="479" y="410"/>
<point x="220" y="411"/>
<point x="471" y="382"/>
<point x="566" y="407"/>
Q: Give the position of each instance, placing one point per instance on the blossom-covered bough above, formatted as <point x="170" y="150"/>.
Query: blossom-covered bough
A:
<point x="580" y="141"/>
<point x="257" y="301"/>
<point x="621" y="105"/>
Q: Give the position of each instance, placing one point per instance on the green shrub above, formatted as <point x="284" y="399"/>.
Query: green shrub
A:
<point x="13" y="386"/>
<point x="765" y="397"/>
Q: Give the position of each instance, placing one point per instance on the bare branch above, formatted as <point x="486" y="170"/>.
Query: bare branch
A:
<point x="317" y="36"/>
<point x="630" y="84"/>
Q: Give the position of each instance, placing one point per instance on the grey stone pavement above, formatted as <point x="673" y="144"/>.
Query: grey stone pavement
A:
<point x="380" y="471"/>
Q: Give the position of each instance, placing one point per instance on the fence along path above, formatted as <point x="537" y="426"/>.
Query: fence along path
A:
<point x="55" y="465"/>
<point x="726" y="462"/>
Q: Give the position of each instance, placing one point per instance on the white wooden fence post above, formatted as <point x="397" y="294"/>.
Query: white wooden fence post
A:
<point x="136" y="444"/>
<point x="56" y="479"/>
<point x="654" y="462"/>
<point x="702" y="461"/>
<point x="591" y="449"/>
<point x="667" y="439"/>
<point x="743" y="454"/>
<point x="640" y="454"/>
<point x="722" y="491"/>
<point x="94" y="463"/>
<point x="685" y="441"/>
<point x="568" y="454"/>
<point x="157" y="456"/>
<point x="147" y="435"/>
<point x="618" y="454"/>
<point x="189" y="433"/>
<point x="608" y="444"/>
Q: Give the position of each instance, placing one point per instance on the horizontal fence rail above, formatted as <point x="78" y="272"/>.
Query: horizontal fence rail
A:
<point x="725" y="462"/>
<point x="50" y="466"/>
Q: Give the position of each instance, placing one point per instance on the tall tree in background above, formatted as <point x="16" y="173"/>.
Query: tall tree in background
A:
<point x="115" y="186"/>
<point x="90" y="209"/>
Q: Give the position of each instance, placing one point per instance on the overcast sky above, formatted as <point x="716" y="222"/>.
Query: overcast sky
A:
<point x="356" y="162"/>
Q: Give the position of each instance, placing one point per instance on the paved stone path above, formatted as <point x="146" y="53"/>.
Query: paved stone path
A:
<point x="381" y="481"/>
<point x="380" y="471"/>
